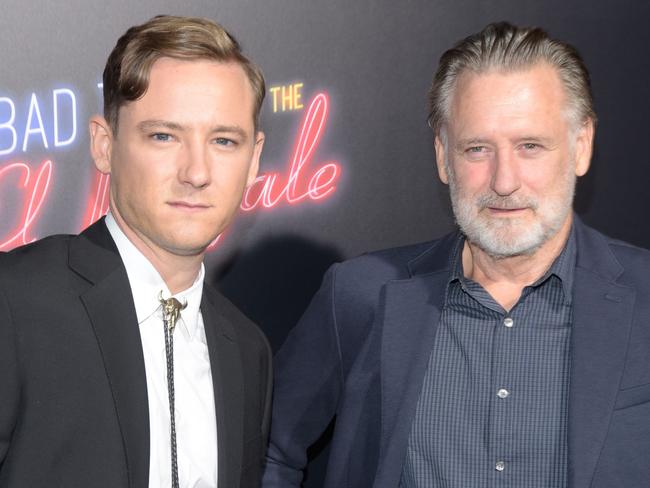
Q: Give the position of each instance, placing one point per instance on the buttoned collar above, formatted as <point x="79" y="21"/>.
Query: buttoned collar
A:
<point x="147" y="284"/>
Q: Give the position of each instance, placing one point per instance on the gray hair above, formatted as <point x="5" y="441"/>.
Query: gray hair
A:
<point x="505" y="47"/>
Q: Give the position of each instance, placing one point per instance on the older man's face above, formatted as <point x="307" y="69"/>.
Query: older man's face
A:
<point x="512" y="158"/>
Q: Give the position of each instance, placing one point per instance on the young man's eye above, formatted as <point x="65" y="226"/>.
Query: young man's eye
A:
<point x="224" y="141"/>
<point x="161" y="137"/>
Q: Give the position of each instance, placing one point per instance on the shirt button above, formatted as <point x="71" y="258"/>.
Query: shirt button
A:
<point x="503" y="393"/>
<point x="508" y="322"/>
<point x="500" y="466"/>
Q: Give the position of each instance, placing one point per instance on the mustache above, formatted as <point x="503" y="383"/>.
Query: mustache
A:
<point x="491" y="200"/>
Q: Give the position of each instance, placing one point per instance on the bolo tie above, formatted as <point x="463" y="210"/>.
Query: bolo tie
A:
<point x="171" y="309"/>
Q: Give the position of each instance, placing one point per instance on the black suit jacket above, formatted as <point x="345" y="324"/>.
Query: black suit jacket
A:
<point x="73" y="392"/>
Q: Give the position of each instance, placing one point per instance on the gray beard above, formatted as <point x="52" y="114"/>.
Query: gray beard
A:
<point x="509" y="237"/>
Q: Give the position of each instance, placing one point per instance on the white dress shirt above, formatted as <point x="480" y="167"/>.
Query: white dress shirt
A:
<point x="196" y="427"/>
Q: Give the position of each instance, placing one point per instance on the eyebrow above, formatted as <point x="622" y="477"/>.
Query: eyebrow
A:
<point x="476" y="141"/>
<point x="543" y="140"/>
<point x="154" y="124"/>
<point x="147" y="125"/>
<point x="230" y="129"/>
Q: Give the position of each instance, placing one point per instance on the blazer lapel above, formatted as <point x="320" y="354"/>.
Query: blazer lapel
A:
<point x="227" y="381"/>
<point x="411" y="313"/>
<point x="109" y="305"/>
<point x="602" y="317"/>
<point x="411" y="316"/>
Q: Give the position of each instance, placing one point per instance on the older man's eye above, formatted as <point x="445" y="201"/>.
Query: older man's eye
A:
<point x="476" y="152"/>
<point x="531" y="149"/>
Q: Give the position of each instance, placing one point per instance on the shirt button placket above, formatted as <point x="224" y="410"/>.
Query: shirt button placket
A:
<point x="503" y="393"/>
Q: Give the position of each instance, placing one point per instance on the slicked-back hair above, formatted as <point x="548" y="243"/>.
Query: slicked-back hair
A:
<point x="503" y="47"/>
<point x="126" y="75"/>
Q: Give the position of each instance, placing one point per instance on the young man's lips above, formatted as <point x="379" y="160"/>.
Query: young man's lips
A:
<point x="188" y="206"/>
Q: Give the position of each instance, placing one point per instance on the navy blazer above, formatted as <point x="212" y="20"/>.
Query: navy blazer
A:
<point x="73" y="391"/>
<point x="361" y="350"/>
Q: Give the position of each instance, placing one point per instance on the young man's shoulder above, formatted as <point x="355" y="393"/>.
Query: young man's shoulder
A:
<point x="38" y="257"/>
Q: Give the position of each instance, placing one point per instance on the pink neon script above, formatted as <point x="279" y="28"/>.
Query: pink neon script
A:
<point x="34" y="186"/>
<point x="268" y="191"/>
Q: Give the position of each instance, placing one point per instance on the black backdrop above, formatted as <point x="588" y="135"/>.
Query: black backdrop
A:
<point x="372" y="62"/>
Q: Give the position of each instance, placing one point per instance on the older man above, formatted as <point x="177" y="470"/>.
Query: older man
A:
<point x="514" y="352"/>
<point x="119" y="367"/>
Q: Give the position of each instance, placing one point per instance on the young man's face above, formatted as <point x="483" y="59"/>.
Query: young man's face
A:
<point x="183" y="155"/>
<point x="512" y="157"/>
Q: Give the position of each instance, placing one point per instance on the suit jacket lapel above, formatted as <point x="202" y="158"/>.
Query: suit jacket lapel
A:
<point x="411" y="313"/>
<point x="602" y="317"/>
<point x="109" y="304"/>
<point x="227" y="381"/>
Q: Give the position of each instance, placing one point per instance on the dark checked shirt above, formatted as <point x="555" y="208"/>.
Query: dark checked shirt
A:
<point x="493" y="407"/>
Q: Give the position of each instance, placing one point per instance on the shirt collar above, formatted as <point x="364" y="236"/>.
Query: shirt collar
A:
<point x="563" y="267"/>
<point x="147" y="284"/>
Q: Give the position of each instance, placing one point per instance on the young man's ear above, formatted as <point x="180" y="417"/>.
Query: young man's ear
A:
<point x="101" y="141"/>
<point x="255" y="161"/>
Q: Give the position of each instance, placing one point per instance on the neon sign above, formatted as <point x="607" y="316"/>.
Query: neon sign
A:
<point x="303" y="181"/>
<point x="320" y="184"/>
<point x="35" y="188"/>
<point x="34" y="130"/>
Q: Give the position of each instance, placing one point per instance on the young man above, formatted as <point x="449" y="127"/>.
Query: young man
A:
<point x="119" y="366"/>
<point x="513" y="353"/>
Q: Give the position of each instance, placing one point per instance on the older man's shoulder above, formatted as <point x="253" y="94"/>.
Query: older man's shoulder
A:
<point x="634" y="259"/>
<point x="396" y="263"/>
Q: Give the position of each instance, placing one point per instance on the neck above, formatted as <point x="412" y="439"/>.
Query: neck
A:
<point x="177" y="271"/>
<point x="505" y="278"/>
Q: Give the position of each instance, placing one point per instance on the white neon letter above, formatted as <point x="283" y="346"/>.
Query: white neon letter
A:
<point x="33" y="109"/>
<point x="9" y="125"/>
<point x="55" y="107"/>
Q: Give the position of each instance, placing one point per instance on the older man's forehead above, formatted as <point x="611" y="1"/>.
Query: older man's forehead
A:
<point x="512" y="97"/>
<point x="520" y="78"/>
